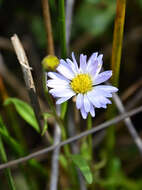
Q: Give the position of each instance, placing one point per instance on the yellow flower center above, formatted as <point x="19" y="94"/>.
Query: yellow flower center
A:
<point x="82" y="83"/>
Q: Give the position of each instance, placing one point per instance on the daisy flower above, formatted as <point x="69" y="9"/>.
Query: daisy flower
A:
<point x="82" y="81"/>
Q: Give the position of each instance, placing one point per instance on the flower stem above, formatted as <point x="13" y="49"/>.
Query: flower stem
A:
<point x="62" y="29"/>
<point x="89" y="126"/>
<point x="117" y="40"/>
<point x="63" y="43"/>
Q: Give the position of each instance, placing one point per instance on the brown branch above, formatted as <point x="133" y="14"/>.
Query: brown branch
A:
<point x="48" y="28"/>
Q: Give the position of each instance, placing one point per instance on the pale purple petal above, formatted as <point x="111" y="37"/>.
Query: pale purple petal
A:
<point x="83" y="64"/>
<point x="57" y="83"/>
<point x="93" y="98"/>
<point x="97" y="98"/>
<point x="62" y="100"/>
<point x="62" y="92"/>
<point x="56" y="86"/>
<point x="91" y="61"/>
<point x="74" y="60"/>
<point x="100" y="61"/>
<point x="93" y="70"/>
<point x="83" y="112"/>
<point x="102" y="77"/>
<point x="79" y="101"/>
<point x="108" y="88"/>
<point x="100" y="57"/>
<point x="73" y="66"/>
<point x="57" y="76"/>
<point x="103" y="92"/>
<point x="92" y="111"/>
<point x="65" y="70"/>
<point x="86" y="103"/>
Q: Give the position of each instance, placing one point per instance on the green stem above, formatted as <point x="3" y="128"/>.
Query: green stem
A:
<point x="89" y="126"/>
<point x="118" y="40"/>
<point x="115" y="61"/>
<point x="63" y="44"/>
<point x="62" y="29"/>
<point x="7" y="171"/>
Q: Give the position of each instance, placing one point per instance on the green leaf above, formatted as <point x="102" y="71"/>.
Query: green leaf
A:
<point x="82" y="164"/>
<point x="9" y="140"/>
<point x="2" y="125"/>
<point x="84" y="151"/>
<point x="63" y="161"/>
<point x="25" y="111"/>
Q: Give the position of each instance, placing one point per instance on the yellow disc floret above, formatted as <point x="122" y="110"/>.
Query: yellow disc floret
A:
<point x="82" y="83"/>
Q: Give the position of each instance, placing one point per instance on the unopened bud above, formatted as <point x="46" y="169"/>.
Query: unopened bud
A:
<point x="50" y="63"/>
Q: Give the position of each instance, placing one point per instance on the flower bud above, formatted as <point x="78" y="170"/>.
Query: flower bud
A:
<point x="50" y="63"/>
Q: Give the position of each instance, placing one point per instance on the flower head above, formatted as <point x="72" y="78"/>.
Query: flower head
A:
<point x="82" y="81"/>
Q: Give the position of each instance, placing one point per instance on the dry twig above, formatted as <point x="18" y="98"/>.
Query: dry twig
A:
<point x="21" y="55"/>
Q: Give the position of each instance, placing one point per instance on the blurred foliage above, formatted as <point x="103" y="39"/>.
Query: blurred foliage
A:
<point x="38" y="30"/>
<point x="95" y="16"/>
<point x="140" y="2"/>
<point x="118" y="180"/>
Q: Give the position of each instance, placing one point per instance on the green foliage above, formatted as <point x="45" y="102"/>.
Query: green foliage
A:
<point x="38" y="29"/>
<point x="1" y="1"/>
<point x="63" y="161"/>
<point x="140" y="3"/>
<point x="18" y="149"/>
<point x="25" y="111"/>
<point x="95" y="16"/>
<point x="9" y="140"/>
<point x="82" y="164"/>
<point x="117" y="178"/>
<point x="3" y="157"/>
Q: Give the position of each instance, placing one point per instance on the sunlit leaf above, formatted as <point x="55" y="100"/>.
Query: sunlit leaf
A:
<point x="25" y="111"/>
